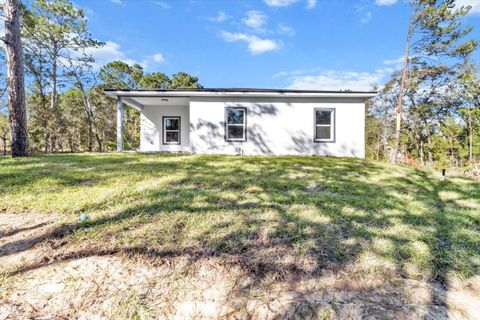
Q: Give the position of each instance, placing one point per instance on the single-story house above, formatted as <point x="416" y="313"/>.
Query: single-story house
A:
<point x="247" y="121"/>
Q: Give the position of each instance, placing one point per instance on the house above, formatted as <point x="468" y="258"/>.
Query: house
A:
<point x="247" y="121"/>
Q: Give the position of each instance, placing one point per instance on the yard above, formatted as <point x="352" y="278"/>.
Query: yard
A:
<point x="235" y="237"/>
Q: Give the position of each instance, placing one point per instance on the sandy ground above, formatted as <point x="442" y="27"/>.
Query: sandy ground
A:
<point x="41" y="280"/>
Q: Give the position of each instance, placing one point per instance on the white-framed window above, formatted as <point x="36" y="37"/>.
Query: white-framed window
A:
<point x="324" y="125"/>
<point x="171" y="130"/>
<point x="236" y="124"/>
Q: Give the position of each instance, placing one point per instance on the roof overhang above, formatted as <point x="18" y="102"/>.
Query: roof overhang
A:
<point x="258" y="93"/>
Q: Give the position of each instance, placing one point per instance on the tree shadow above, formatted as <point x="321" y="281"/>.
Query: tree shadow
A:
<point x="265" y="203"/>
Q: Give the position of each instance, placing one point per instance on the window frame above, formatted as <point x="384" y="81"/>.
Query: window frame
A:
<point x="244" y="139"/>
<point x="164" y="131"/>
<point x="332" y="125"/>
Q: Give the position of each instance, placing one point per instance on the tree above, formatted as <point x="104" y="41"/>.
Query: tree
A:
<point x="470" y="91"/>
<point x="40" y="115"/>
<point x="155" y="80"/>
<point x="4" y="132"/>
<point x="15" y="78"/>
<point x="56" y="32"/>
<point x="81" y="72"/>
<point x="184" y="80"/>
<point x="120" y="75"/>
<point x="398" y="109"/>
<point x="427" y="93"/>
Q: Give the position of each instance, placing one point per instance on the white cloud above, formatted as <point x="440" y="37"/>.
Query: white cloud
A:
<point x="162" y="4"/>
<point x="158" y="58"/>
<point x="336" y="80"/>
<point x="320" y="79"/>
<point x="284" y="29"/>
<point x="255" y="20"/>
<point x="396" y="62"/>
<point x="117" y="2"/>
<point x="256" y="45"/>
<point x="112" y="51"/>
<point x="220" y="17"/>
<point x="279" y="3"/>
<point x="366" y="17"/>
<point x="109" y="52"/>
<point x="475" y="4"/>
<point x="310" y="4"/>
<point x="88" y="12"/>
<point x="385" y="2"/>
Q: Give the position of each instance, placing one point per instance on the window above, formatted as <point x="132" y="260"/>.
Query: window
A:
<point x="324" y="125"/>
<point x="171" y="130"/>
<point x="236" y="124"/>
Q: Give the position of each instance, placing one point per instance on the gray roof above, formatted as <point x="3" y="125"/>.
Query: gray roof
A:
<point x="246" y="90"/>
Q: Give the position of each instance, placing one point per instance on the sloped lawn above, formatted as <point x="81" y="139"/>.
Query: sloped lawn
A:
<point x="273" y="219"/>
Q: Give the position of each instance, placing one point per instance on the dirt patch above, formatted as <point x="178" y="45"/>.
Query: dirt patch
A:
<point x="117" y="285"/>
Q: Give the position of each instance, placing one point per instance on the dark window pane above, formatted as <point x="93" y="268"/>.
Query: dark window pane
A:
<point x="323" y="132"/>
<point x="235" y="116"/>
<point x="171" y="137"/>
<point x="323" y="117"/>
<point x="235" y="132"/>
<point x="171" y="124"/>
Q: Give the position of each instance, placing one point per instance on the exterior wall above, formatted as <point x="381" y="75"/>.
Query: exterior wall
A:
<point x="151" y="118"/>
<point x="278" y="126"/>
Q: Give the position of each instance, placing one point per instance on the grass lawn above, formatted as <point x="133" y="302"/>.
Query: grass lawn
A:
<point x="272" y="216"/>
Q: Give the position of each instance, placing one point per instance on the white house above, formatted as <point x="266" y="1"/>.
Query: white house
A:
<point x="247" y="121"/>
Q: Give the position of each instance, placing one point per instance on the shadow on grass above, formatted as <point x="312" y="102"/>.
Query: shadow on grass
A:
<point x="253" y="211"/>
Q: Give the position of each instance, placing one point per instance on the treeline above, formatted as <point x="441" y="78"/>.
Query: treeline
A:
<point x="427" y="114"/>
<point x="66" y="107"/>
<point x="439" y="112"/>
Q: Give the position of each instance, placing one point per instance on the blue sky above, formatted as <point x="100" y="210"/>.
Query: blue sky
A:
<point x="323" y="44"/>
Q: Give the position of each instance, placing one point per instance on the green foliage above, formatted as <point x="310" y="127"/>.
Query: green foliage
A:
<point x="57" y="25"/>
<point x="120" y="75"/>
<point x="155" y="80"/>
<point x="442" y="81"/>
<point x="56" y="38"/>
<point x="184" y="80"/>
<point x="67" y="108"/>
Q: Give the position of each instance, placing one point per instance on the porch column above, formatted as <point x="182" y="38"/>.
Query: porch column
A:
<point x="119" y="124"/>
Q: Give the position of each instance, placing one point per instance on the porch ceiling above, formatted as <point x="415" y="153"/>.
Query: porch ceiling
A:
<point x="140" y="102"/>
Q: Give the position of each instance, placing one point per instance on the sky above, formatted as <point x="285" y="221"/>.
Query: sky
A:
<point x="302" y="44"/>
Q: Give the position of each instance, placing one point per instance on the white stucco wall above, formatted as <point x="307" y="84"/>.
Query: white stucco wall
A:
<point x="278" y="126"/>
<point x="151" y="128"/>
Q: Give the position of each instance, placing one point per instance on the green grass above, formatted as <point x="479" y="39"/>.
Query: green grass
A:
<point x="301" y="213"/>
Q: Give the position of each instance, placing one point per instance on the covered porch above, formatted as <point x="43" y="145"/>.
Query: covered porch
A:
<point x="165" y="121"/>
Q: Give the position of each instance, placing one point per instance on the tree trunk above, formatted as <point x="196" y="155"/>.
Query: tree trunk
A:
<point x="470" y="136"/>
<point x="88" y="112"/>
<point x="15" y="78"/>
<point x="398" y="110"/>
<point x="4" y="140"/>
<point x="422" y="157"/>
<point x="451" y="152"/>
<point x="70" y="143"/>
<point x="99" y="141"/>
<point x="90" y="135"/>
<point x="53" y="101"/>
<point x="47" y="139"/>
<point x="430" y="154"/>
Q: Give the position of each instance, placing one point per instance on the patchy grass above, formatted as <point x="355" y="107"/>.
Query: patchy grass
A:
<point x="274" y="216"/>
